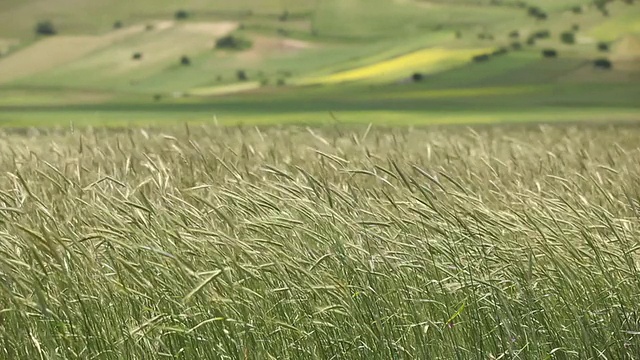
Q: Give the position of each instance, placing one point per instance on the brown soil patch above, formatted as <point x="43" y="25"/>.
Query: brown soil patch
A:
<point x="216" y="29"/>
<point x="268" y="46"/>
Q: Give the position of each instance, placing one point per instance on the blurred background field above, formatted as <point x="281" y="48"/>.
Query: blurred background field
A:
<point x="251" y="60"/>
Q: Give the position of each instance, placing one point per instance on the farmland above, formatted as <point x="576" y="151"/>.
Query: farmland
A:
<point x="319" y="179"/>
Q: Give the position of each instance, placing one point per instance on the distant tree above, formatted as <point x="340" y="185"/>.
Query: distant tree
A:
<point x="181" y="14"/>
<point x="157" y="97"/>
<point x="542" y="34"/>
<point x="577" y="9"/>
<point x="232" y="42"/>
<point x="242" y="75"/>
<point x="516" y="46"/>
<point x="117" y="24"/>
<point x="485" y="36"/>
<point x="537" y="13"/>
<point x="531" y="40"/>
<point x="284" y="16"/>
<point x="514" y="34"/>
<point x="575" y="27"/>
<point x="45" y="28"/>
<point x="500" y="51"/>
<point x="603" y="63"/>
<point x="603" y="46"/>
<point x="417" y="77"/>
<point x="549" y="53"/>
<point x="137" y="56"/>
<point x="185" y="61"/>
<point x="281" y="82"/>
<point x="481" y="58"/>
<point x="568" y="37"/>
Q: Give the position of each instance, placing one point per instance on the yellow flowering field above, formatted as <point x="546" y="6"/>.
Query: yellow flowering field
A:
<point x="423" y="60"/>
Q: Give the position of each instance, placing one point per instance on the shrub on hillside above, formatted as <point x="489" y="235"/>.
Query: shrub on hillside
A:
<point x="575" y="27"/>
<point x="242" y="75"/>
<point x="514" y="34"/>
<point x="136" y="56"/>
<point x="481" y="58"/>
<point x="549" y="53"/>
<point x="541" y="34"/>
<point x="233" y="42"/>
<point x="485" y="36"/>
<point x="603" y="63"/>
<point x="181" y="14"/>
<point x="603" y="46"/>
<point x="568" y="37"/>
<point x="417" y="77"/>
<point x="185" y="61"/>
<point x="45" y="28"/>
<point x="537" y="13"/>
<point x="117" y="24"/>
<point x="284" y="16"/>
<point x="500" y="51"/>
<point x="577" y="9"/>
<point x="516" y="46"/>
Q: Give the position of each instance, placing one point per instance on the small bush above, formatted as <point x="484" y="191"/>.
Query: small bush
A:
<point x="181" y="14"/>
<point x="149" y="27"/>
<point x="458" y="34"/>
<point x="537" y="13"/>
<point x="481" y="58"/>
<point x="549" y="53"/>
<point x="541" y="34"/>
<point x="281" y="82"/>
<point x="568" y="37"/>
<point x="575" y="27"/>
<point x="603" y="63"/>
<point x="185" y="61"/>
<point x="45" y="28"/>
<point x="284" y="16"/>
<point x="417" y="77"/>
<point x="117" y="24"/>
<point x="136" y="56"/>
<point x="157" y="97"/>
<point x="233" y="42"/>
<point x="576" y="9"/>
<point x="515" y="34"/>
<point x="516" y="46"/>
<point x="242" y="75"/>
<point x="500" y="51"/>
<point x="603" y="46"/>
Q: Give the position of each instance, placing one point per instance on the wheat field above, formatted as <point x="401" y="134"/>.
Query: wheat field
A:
<point x="208" y="242"/>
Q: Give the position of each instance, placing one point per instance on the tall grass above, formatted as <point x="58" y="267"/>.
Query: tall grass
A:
<point x="246" y="243"/>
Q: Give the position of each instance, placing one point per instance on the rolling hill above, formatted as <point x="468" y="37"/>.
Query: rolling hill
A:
<point x="325" y="50"/>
